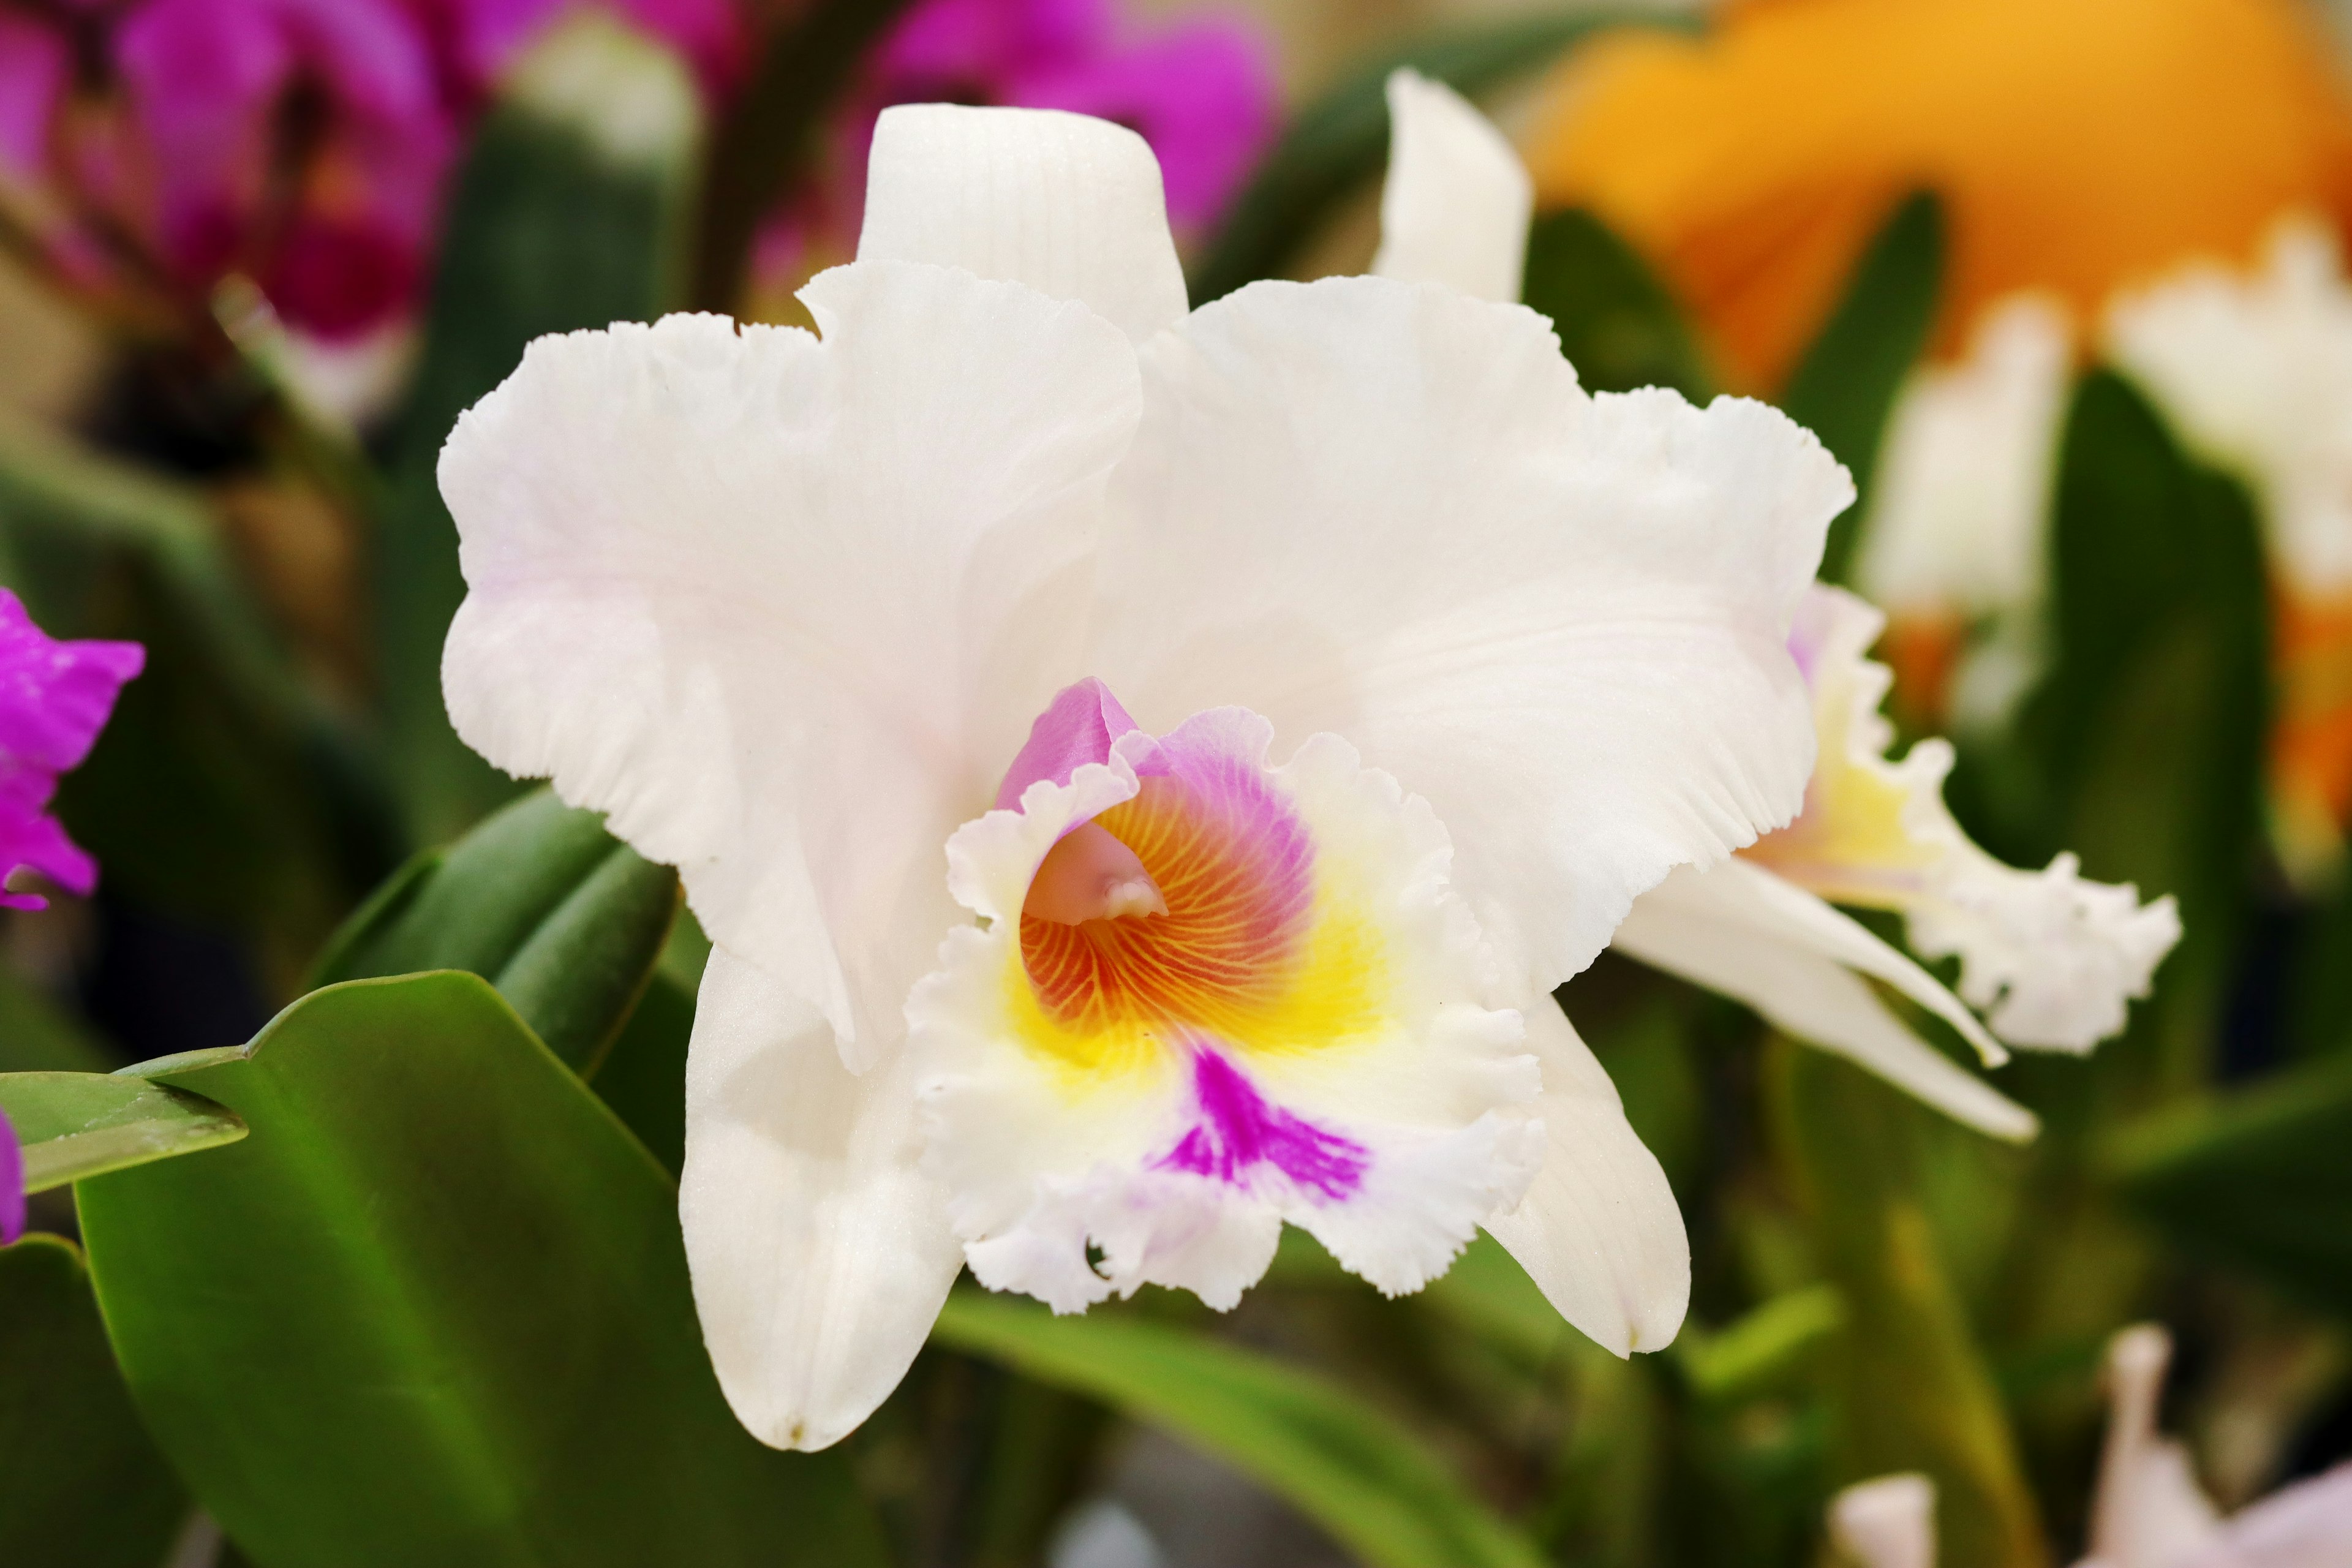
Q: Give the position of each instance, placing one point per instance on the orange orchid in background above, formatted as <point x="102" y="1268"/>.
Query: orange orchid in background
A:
<point x="2077" y="146"/>
<point x="2115" y="175"/>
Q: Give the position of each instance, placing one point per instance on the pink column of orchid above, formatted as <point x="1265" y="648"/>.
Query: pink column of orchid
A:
<point x="55" y="697"/>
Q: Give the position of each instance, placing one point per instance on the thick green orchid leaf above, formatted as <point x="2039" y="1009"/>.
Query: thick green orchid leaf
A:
<point x="80" y="1484"/>
<point x="1844" y="386"/>
<point x="539" y="900"/>
<point x="1767" y="1351"/>
<point x="74" y="1125"/>
<point x="1909" y="1386"/>
<point x="1338" y="1461"/>
<point x="1618" y="324"/>
<point x="2149" y="726"/>
<point x="2261" y="1180"/>
<point x="435" y="1309"/>
<point x="569" y="211"/>
<point x="273" y="820"/>
<point x="1340" y="140"/>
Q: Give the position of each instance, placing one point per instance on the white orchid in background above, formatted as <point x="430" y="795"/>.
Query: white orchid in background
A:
<point x="2148" y="1511"/>
<point x="1955" y="543"/>
<point x="1434" y="662"/>
<point x="2254" y="371"/>
<point x="2051" y="959"/>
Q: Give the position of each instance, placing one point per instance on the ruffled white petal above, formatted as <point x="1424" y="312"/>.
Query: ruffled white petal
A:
<point x="1068" y="205"/>
<point x="2255" y="372"/>
<point x="784" y="608"/>
<point x="1959" y="518"/>
<point x="1598" y="1231"/>
<point x="1737" y="929"/>
<point x="1886" y="1523"/>
<point x="1356" y="1088"/>
<point x="1386" y="510"/>
<point x="1457" y="201"/>
<point x="2052" y="959"/>
<point x="820" y="1252"/>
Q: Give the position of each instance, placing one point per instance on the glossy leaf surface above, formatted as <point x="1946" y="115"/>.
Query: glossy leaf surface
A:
<point x="539" y="900"/>
<point x="74" y="1125"/>
<point x="435" y="1309"/>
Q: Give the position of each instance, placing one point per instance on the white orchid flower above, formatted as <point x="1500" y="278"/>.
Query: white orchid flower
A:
<point x="2255" y="372"/>
<point x="1955" y="543"/>
<point x="2148" y="1511"/>
<point x="1368" y="669"/>
<point x="1957" y="524"/>
<point x="2052" y="959"/>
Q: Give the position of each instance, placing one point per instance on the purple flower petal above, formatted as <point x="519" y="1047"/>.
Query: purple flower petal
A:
<point x="33" y="65"/>
<point x="12" y="1184"/>
<point x="1203" y="94"/>
<point x="55" y="697"/>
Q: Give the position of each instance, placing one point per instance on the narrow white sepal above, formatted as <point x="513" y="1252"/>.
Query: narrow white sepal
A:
<point x="1457" y="202"/>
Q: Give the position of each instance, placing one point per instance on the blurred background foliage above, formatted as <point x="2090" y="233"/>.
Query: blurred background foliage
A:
<point x="422" y="1299"/>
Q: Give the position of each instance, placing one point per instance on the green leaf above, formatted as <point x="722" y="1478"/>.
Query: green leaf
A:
<point x="274" y="816"/>
<point x="570" y="212"/>
<point x="2259" y="1180"/>
<point x="80" y="1484"/>
<point x="1341" y="140"/>
<point x="540" y="901"/>
<point x="1617" y="324"/>
<point x="1844" y="386"/>
<point x="2149" y="725"/>
<point x="1909" y="1389"/>
<point x="435" y="1309"/>
<point x="1763" y="1351"/>
<point x="1340" y="1461"/>
<point x="74" y="1125"/>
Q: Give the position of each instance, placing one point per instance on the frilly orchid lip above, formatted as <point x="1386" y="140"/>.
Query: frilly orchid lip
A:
<point x="1434" y="662"/>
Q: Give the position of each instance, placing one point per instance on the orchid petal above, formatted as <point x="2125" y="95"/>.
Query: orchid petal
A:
<point x="2149" y="1510"/>
<point x="1886" y="1523"/>
<point x="2052" y="958"/>
<point x="1598" y="1231"/>
<point x="1457" y="202"/>
<point x="782" y="607"/>
<point x="1741" y="931"/>
<point x="820" y="1252"/>
<point x="1386" y="510"/>
<point x="1960" y="512"/>
<point x="1069" y="205"/>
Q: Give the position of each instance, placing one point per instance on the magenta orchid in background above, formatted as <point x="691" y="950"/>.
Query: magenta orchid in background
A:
<point x="54" y="700"/>
<point x="305" y="143"/>
<point x="1201" y="94"/>
<point x="12" y="1184"/>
